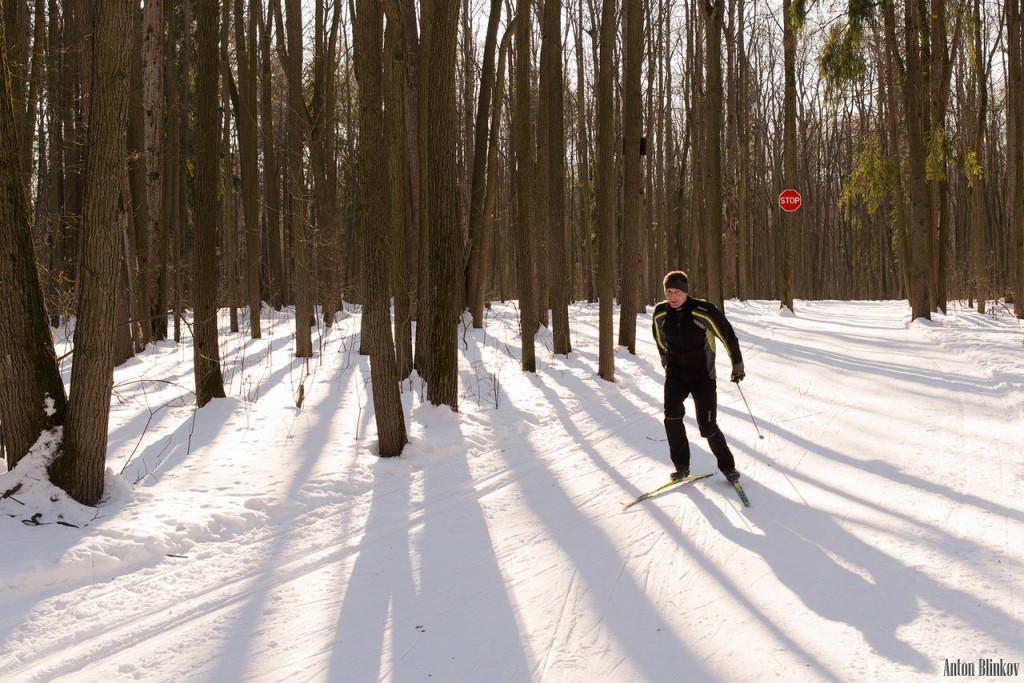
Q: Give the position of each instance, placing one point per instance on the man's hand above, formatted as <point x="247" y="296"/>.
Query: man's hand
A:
<point x="738" y="373"/>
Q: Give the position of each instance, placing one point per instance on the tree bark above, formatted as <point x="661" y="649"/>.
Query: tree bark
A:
<point x="714" y="17"/>
<point x="276" y="282"/>
<point x="606" y="193"/>
<point x="205" y="274"/>
<point x="979" y="241"/>
<point x="80" y="468"/>
<point x="559" y="265"/>
<point x="369" y="33"/>
<point x="290" y="47"/>
<point x="398" y="196"/>
<point x="153" y="128"/>
<point x="525" y="169"/>
<point x="29" y="376"/>
<point x="246" y="108"/>
<point x="915" y="122"/>
<point x="1015" y="147"/>
<point x="478" y="185"/>
<point x="790" y="219"/>
<point x="446" y="263"/>
<point x="632" y="172"/>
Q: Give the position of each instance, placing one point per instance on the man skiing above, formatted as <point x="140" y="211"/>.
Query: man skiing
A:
<point x="685" y="330"/>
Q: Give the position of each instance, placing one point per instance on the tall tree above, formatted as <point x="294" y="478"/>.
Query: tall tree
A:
<point x="790" y="219"/>
<point x="206" y="349"/>
<point x="409" y="299"/>
<point x="132" y="319"/>
<point x="369" y="35"/>
<point x="290" y="48"/>
<point x="976" y="173"/>
<point x="552" y="88"/>
<point x="398" y="194"/>
<point x="80" y="468"/>
<point x="714" y="18"/>
<point x="28" y="366"/>
<point x="632" y="171"/>
<point x="1015" y="145"/>
<point x="246" y="108"/>
<point x="16" y="17"/>
<point x="606" y="192"/>
<point x="842" y="60"/>
<point x="277" y="284"/>
<point x="444" y="213"/>
<point x="936" y="53"/>
<point x="744" y="165"/>
<point x="478" y="186"/>
<point x="323" y="140"/>
<point x="525" y="169"/>
<point x="153" y="129"/>
<point x="915" y="120"/>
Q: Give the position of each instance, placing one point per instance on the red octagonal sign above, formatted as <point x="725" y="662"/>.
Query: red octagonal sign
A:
<point x="790" y="200"/>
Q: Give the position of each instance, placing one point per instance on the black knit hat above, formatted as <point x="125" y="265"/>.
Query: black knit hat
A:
<point x="677" y="280"/>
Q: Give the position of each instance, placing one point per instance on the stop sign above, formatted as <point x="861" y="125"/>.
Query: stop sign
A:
<point x="790" y="200"/>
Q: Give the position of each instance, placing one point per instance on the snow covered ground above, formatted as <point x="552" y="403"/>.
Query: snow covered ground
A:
<point x="257" y="541"/>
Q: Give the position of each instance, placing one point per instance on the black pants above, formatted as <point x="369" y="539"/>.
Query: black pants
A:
<point x="705" y="404"/>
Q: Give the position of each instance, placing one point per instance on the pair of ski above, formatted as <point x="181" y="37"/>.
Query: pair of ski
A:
<point x="687" y="480"/>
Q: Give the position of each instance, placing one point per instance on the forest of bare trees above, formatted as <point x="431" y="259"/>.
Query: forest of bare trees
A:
<point x="166" y="159"/>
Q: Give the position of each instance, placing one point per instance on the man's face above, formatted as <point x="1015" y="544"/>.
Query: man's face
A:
<point x="675" y="297"/>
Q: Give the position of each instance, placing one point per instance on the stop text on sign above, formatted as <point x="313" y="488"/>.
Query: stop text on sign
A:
<point x="790" y="200"/>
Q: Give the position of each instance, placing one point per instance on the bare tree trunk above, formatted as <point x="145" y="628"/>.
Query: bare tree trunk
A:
<point x="413" y="111"/>
<point x="693" y="225"/>
<point x="584" y="266"/>
<point x="939" y="73"/>
<point x="558" y="265"/>
<point x="744" y="246"/>
<point x="478" y="187"/>
<point x="15" y="16"/>
<point x="790" y="219"/>
<point x="446" y="263"/>
<point x="229" y="213"/>
<point x="1015" y="147"/>
<point x="205" y="274"/>
<point x="80" y="468"/>
<point x="525" y="169"/>
<point x="137" y="248"/>
<point x="229" y="209"/>
<point x="322" y="142"/>
<point x="424" y="303"/>
<point x="915" y="121"/>
<point x="29" y="376"/>
<point x="540" y="195"/>
<point x="153" y="126"/>
<point x="277" y="284"/>
<point x="171" y="191"/>
<point x="373" y="183"/>
<point x="632" y="171"/>
<point x="979" y="242"/>
<point x="246" y="108"/>
<point x="606" y="193"/>
<point x="714" y="18"/>
<point x="493" y="164"/>
<point x="290" y="47"/>
<point x="397" y="195"/>
<point x="186" y="219"/>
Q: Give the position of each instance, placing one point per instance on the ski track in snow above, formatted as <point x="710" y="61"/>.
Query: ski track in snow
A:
<point x="883" y="537"/>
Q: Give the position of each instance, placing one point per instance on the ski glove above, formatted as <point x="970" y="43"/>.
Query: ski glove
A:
<point x="737" y="372"/>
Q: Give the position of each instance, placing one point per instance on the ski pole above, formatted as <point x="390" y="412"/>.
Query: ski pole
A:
<point x="756" y="428"/>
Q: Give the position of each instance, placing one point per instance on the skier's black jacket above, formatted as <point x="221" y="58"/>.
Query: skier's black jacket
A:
<point x="686" y="339"/>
